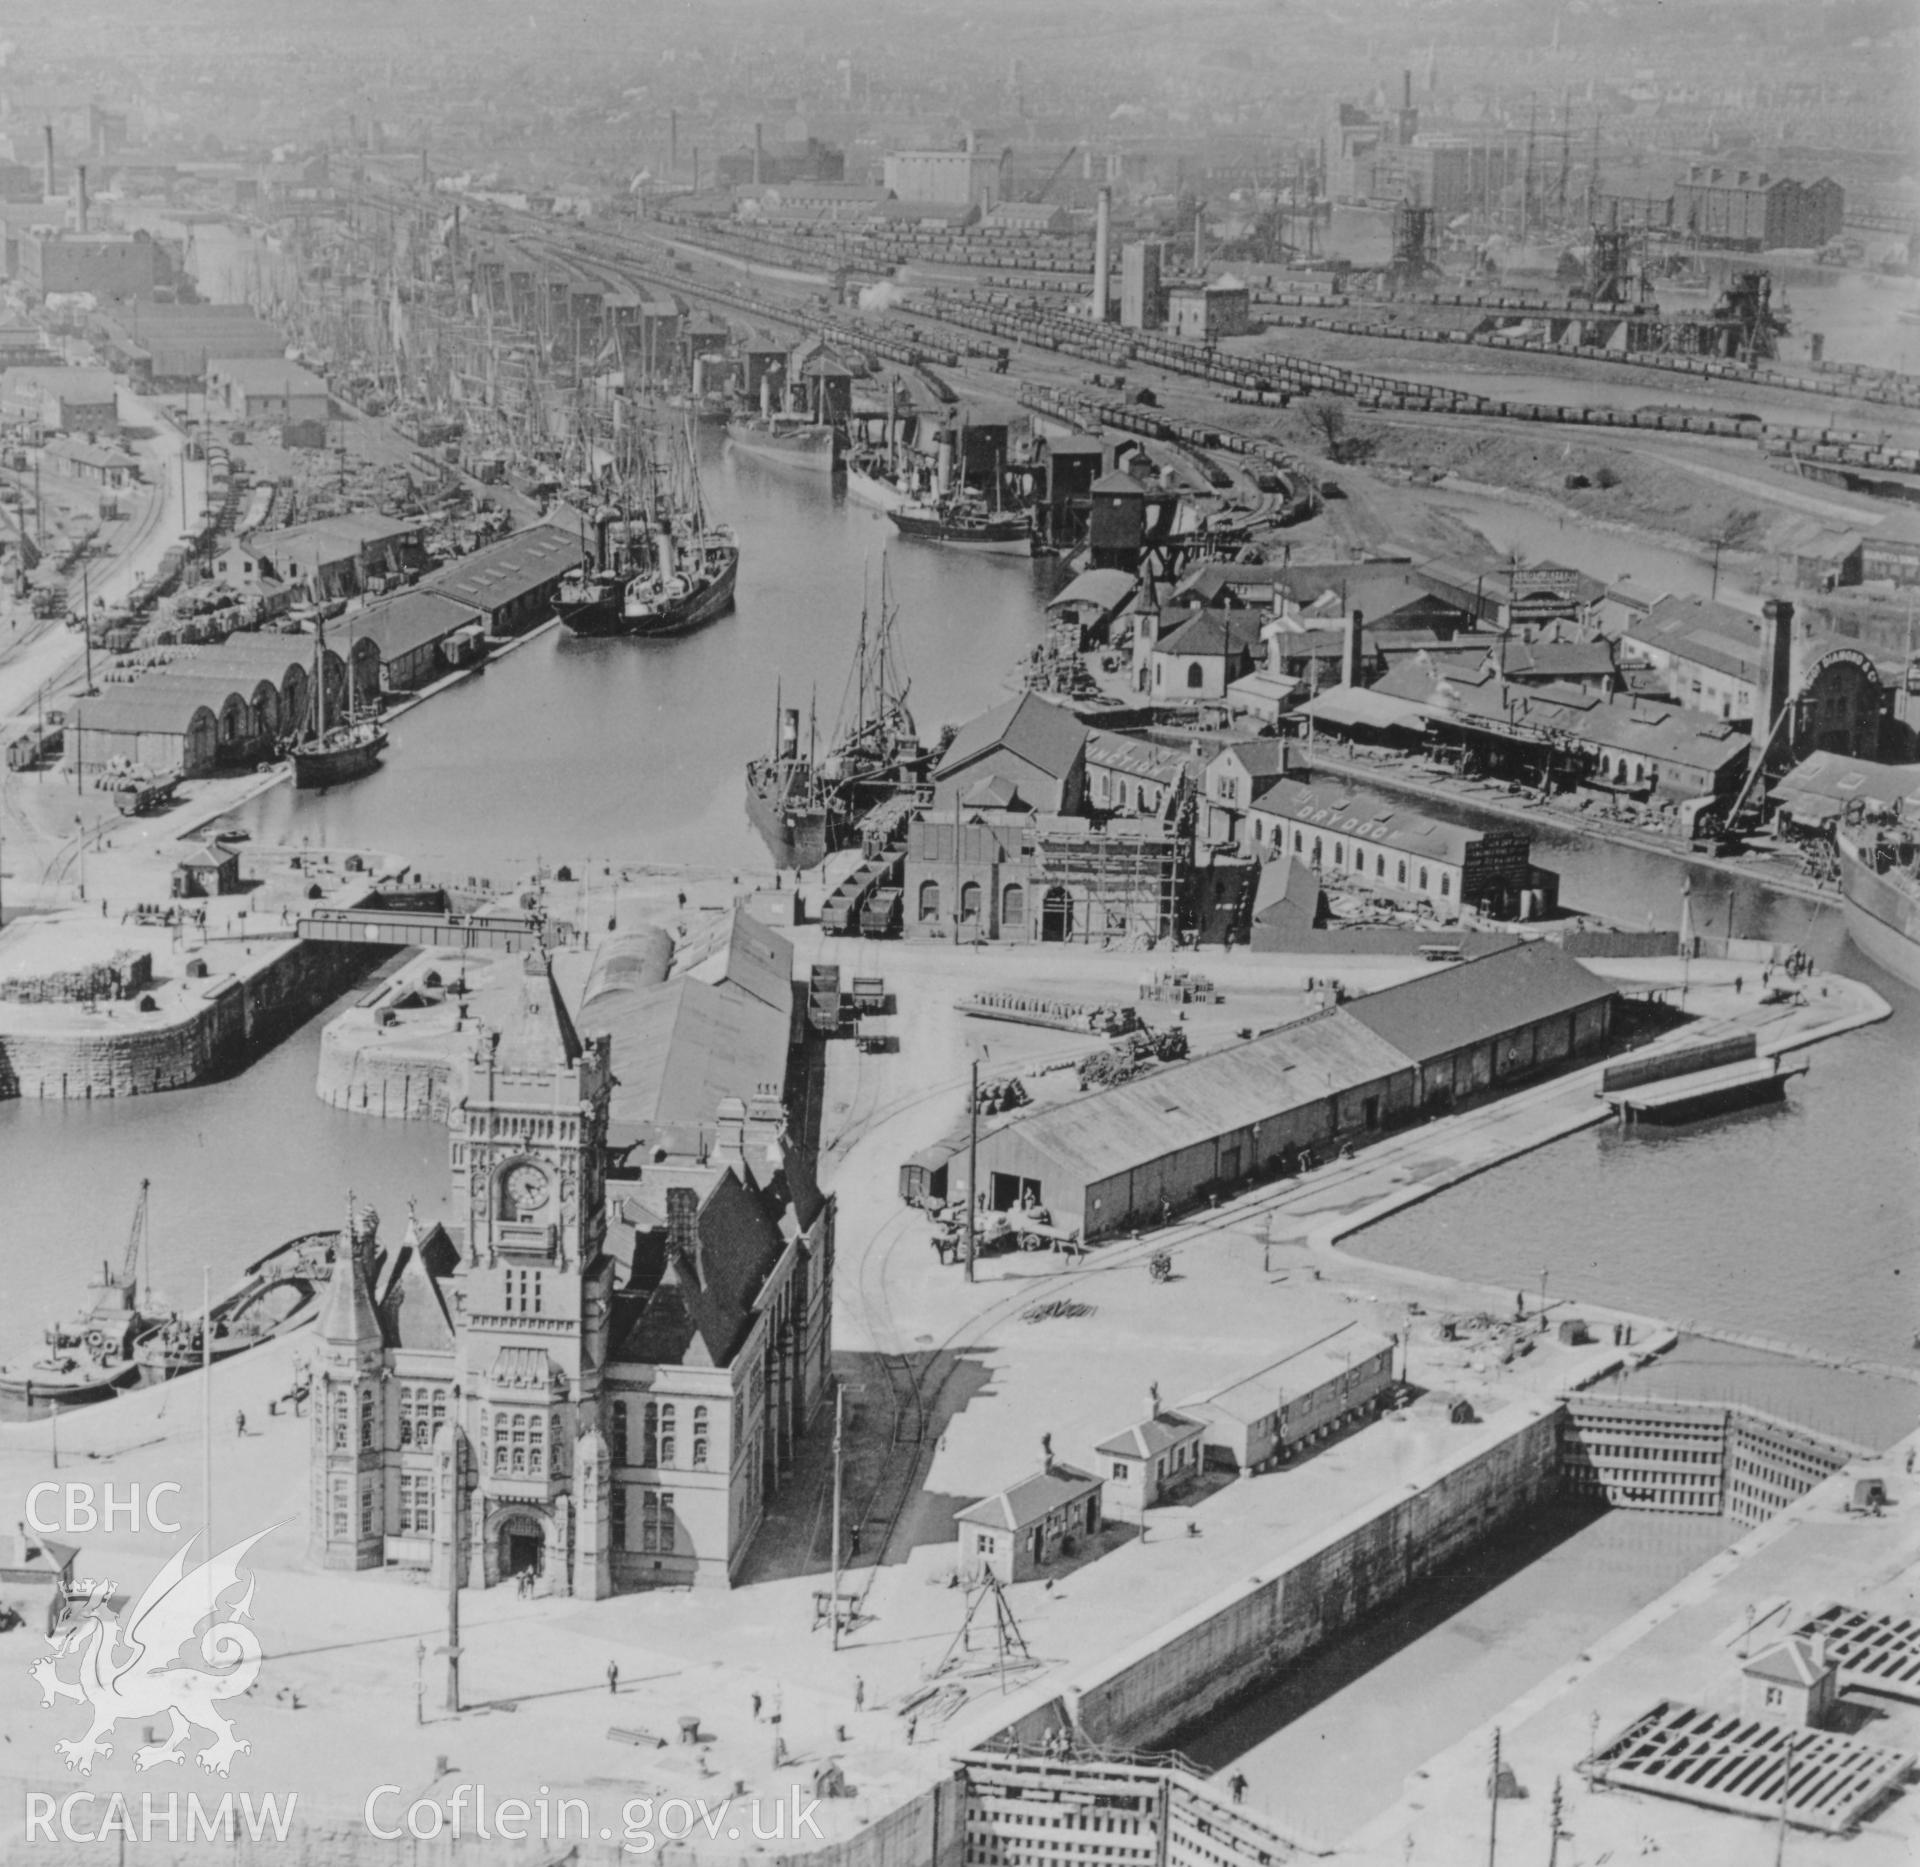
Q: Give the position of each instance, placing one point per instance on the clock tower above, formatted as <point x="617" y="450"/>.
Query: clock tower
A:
<point x="535" y="1283"/>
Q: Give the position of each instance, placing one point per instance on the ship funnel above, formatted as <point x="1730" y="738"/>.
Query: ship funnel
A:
<point x="943" y="466"/>
<point x="49" y="188"/>
<point x="663" y="550"/>
<point x="790" y="733"/>
<point x="602" y="529"/>
<point x="766" y="395"/>
<point x="80" y="203"/>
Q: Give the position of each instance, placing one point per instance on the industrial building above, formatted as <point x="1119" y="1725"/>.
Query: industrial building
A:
<point x="1006" y="850"/>
<point x="1127" y="1156"/>
<point x="1153" y="1460"/>
<point x="168" y="346"/>
<point x="1031" y="1525"/>
<point x="1311" y="1389"/>
<point x="1389" y="849"/>
<point x="223" y="707"/>
<point x="511" y="583"/>
<point x="1221" y="308"/>
<point x="944" y="177"/>
<point x="105" y="265"/>
<point x="1561" y="738"/>
<point x="1752" y="211"/>
<point x="418" y="636"/>
<point x="336" y="557"/>
<point x="1143" y="305"/>
<point x="256" y="388"/>
<point x="62" y="401"/>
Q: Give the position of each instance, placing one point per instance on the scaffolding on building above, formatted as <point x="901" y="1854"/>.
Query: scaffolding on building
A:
<point x="1125" y="876"/>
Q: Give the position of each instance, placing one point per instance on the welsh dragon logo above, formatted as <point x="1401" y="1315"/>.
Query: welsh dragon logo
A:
<point x="153" y="1664"/>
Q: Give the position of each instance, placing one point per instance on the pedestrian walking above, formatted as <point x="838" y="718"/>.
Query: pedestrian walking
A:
<point x="1238" y="1784"/>
<point x="756" y="1708"/>
<point x="913" y="1725"/>
<point x="613" y="1676"/>
<point x="860" y="1685"/>
<point x="239" y="1425"/>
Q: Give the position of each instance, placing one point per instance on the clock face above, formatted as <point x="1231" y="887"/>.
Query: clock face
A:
<point x="526" y="1190"/>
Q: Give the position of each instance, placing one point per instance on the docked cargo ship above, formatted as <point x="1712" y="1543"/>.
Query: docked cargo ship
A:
<point x="806" y="806"/>
<point x="590" y="598"/>
<point x="690" y="584"/>
<point x="871" y="481"/>
<point x="1880" y="891"/>
<point x="784" y="440"/>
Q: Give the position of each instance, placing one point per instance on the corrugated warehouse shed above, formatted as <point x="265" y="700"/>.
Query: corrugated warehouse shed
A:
<point x="1127" y="1156"/>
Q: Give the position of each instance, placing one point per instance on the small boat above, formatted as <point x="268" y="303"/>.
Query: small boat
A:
<point x="331" y="753"/>
<point x="90" y="1357"/>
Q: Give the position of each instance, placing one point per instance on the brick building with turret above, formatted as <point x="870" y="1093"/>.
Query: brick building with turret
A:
<point x="588" y="1392"/>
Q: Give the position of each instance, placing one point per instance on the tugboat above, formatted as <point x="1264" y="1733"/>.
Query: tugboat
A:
<point x="331" y="754"/>
<point x="786" y="437"/>
<point x="806" y="807"/>
<point x="92" y="1356"/>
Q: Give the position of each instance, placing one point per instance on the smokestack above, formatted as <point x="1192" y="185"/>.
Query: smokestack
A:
<point x="426" y="177"/>
<point x="759" y="153"/>
<point x="50" y="189"/>
<point x="1776" y="672"/>
<point x="1350" y="655"/>
<point x="1153" y="1400"/>
<point x="1102" y="255"/>
<point x="1406" y="90"/>
<point x="80" y="198"/>
<point x="673" y="140"/>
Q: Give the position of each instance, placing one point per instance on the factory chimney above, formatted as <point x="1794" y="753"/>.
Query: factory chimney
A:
<point x="1350" y="651"/>
<point x="1776" y="673"/>
<point x="1406" y="90"/>
<point x="759" y="152"/>
<point x="1102" y="253"/>
<point x="49" y="189"/>
<point x="673" y="141"/>
<point x="80" y="203"/>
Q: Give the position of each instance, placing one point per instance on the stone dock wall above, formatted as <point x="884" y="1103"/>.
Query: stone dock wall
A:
<point x="134" y="1054"/>
<point x="372" y="1073"/>
<point x="1145" y="1695"/>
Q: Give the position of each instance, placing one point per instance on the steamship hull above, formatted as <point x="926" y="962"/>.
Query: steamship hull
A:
<point x="706" y="602"/>
<point x="795" y="834"/>
<point x="1882" y="915"/>
<point x="1005" y="535"/>
<point x="872" y="490"/>
<point x="809" y="449"/>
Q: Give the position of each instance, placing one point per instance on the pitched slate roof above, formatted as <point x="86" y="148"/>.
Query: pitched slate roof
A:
<point x="1047" y="737"/>
<point x="1147" y="1439"/>
<point x="1793" y="1661"/>
<point x="1212" y="632"/>
<point x="703" y="1307"/>
<point x="347" y="1313"/>
<point x="1434" y="1015"/>
<point x="413" y="1308"/>
<point x="1031" y="1500"/>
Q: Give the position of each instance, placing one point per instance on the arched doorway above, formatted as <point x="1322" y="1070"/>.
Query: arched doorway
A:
<point x="1056" y="915"/>
<point x="523" y="1545"/>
